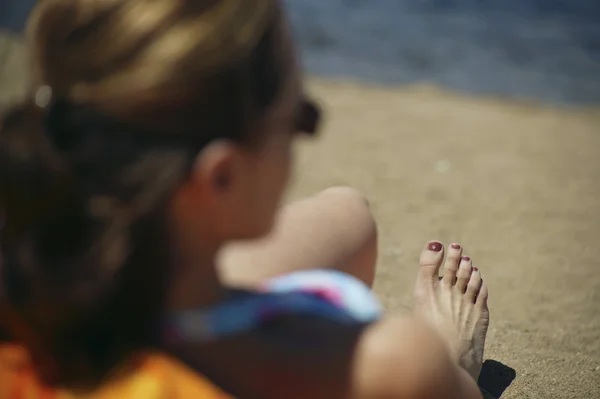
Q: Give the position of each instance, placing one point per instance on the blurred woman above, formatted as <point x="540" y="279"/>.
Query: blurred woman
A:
<point x="157" y="141"/>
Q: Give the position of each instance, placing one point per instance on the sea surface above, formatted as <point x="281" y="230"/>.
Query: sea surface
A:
<point x="547" y="50"/>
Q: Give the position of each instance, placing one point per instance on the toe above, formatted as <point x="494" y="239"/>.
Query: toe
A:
<point x="451" y="264"/>
<point x="474" y="284"/>
<point x="430" y="261"/>
<point x="482" y="296"/>
<point x="464" y="274"/>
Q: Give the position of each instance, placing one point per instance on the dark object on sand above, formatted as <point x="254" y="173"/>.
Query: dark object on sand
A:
<point x="495" y="377"/>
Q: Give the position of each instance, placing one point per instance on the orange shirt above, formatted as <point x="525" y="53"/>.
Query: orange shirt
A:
<point x="157" y="377"/>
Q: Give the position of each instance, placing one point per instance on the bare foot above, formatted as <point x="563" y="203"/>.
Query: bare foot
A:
<point x="456" y="304"/>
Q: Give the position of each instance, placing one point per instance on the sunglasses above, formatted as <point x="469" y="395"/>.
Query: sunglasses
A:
<point x="308" y="117"/>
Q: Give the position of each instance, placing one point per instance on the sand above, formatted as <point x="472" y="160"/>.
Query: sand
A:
<point x="517" y="183"/>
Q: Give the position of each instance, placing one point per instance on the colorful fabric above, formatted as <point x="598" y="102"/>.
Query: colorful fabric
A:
<point x="320" y="293"/>
<point x="155" y="377"/>
<point x="345" y="292"/>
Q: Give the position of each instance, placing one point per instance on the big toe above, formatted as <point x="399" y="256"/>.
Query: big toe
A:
<point x="429" y="264"/>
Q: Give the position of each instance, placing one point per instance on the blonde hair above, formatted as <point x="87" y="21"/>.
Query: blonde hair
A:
<point x="138" y="87"/>
<point x="116" y="55"/>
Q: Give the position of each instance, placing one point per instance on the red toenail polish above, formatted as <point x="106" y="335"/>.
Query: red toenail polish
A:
<point x="455" y="246"/>
<point x="434" y="246"/>
<point x="466" y="258"/>
<point x="475" y="269"/>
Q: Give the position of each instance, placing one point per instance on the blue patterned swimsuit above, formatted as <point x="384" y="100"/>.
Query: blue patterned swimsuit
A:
<point x="328" y="294"/>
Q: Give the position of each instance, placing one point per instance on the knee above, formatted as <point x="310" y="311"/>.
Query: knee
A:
<point x="348" y="195"/>
<point x="352" y="209"/>
<point x="346" y="213"/>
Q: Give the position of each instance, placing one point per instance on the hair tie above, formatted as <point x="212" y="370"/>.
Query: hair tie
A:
<point x="43" y="97"/>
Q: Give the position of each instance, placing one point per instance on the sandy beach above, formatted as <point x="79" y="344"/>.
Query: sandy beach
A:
<point x="517" y="183"/>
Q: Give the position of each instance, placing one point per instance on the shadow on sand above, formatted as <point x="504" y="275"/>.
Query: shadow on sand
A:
<point x="495" y="377"/>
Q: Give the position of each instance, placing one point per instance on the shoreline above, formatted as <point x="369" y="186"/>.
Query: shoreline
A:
<point x="425" y="90"/>
<point x="14" y="79"/>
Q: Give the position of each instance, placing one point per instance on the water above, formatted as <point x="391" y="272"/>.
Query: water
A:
<point x="539" y="49"/>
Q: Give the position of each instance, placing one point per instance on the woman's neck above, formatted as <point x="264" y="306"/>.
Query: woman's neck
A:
<point x="196" y="282"/>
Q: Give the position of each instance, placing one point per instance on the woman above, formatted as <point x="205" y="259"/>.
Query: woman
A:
<point x="160" y="135"/>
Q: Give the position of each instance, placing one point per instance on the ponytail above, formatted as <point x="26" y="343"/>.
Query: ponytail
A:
<point x="83" y="241"/>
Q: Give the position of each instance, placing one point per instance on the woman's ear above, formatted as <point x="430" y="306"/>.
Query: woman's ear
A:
<point x="216" y="167"/>
<point x="214" y="178"/>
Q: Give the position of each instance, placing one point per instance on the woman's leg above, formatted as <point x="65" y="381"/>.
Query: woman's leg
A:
<point x="331" y="230"/>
